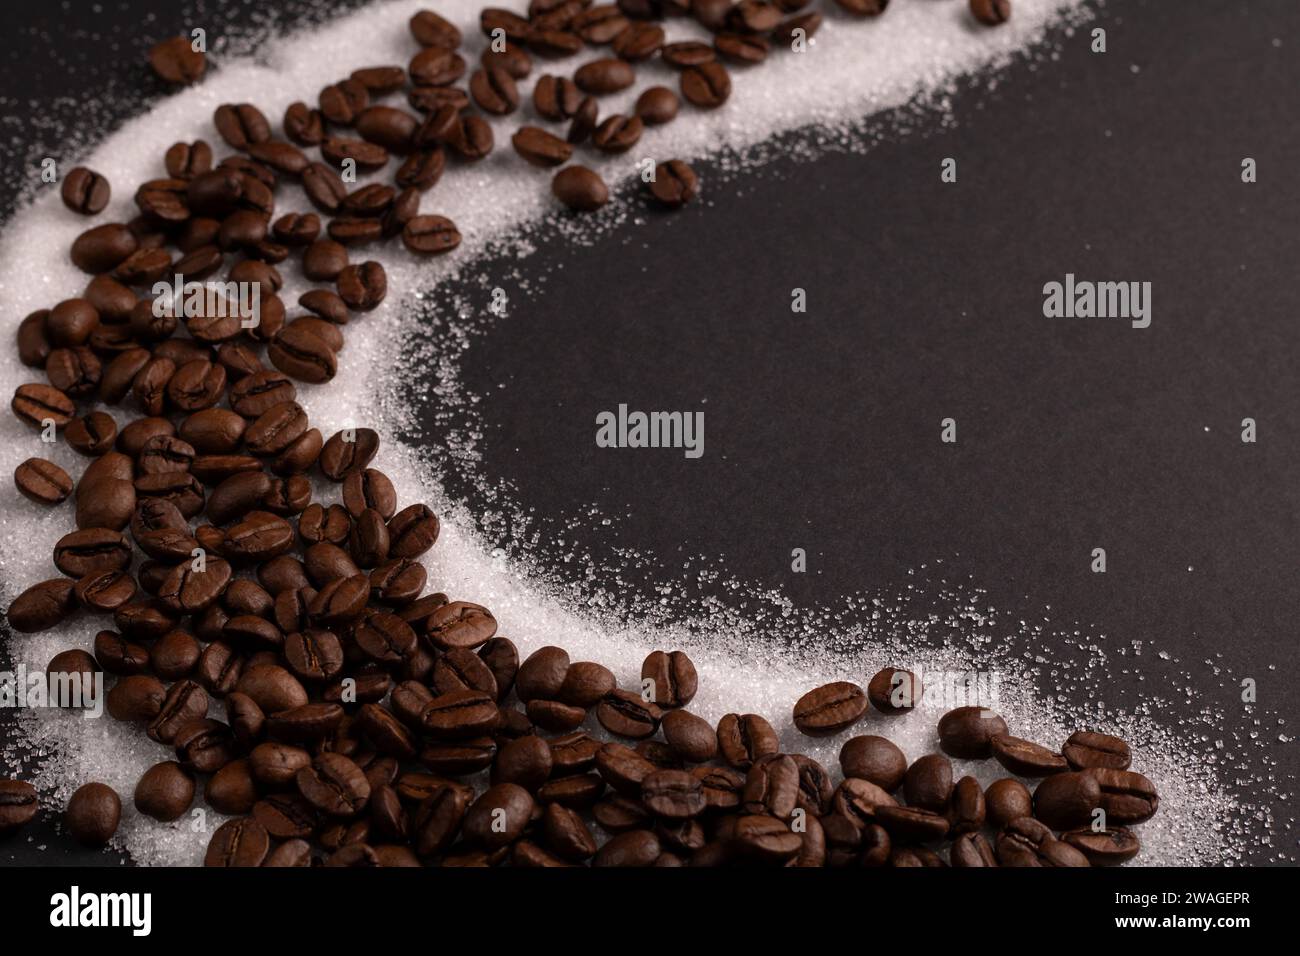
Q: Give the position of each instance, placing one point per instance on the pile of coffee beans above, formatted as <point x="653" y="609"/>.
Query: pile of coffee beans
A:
<point x="285" y="652"/>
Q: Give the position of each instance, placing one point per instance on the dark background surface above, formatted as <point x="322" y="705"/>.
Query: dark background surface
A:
<point x="925" y="302"/>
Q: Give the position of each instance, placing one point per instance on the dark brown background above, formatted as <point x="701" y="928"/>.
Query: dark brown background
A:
<point x="925" y="302"/>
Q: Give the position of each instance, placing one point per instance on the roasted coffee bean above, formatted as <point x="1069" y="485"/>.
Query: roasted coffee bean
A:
<point x="92" y="815"/>
<point x="192" y="587"/>
<point x="968" y="732"/>
<point x="525" y="761"/>
<point x="462" y="669"/>
<point x="1006" y="800"/>
<point x="585" y="118"/>
<point x="1025" y="758"/>
<point x="742" y="48"/>
<point x="639" y="41"/>
<point x="348" y="451"/>
<point x="184" y="702"/>
<point x="772" y="786"/>
<point x="966" y="810"/>
<point x="119" y="656"/>
<point x="18" y="804"/>
<point x="70" y="677"/>
<point x="928" y="782"/>
<point x="675" y="794"/>
<point x="430" y="235"/>
<point x="334" y="785"/>
<point x="687" y="53"/>
<point x="103" y="248"/>
<point x="830" y="709"/>
<point x="990" y="12"/>
<point x="412" y="531"/>
<point x="459" y="714"/>
<point x="626" y="714"/>
<point x="242" y="842"/>
<point x="692" y="737"/>
<point x="105" y="591"/>
<point x="383" y="637"/>
<point x="313" y="654"/>
<point x="302" y="355"/>
<point x="175" y="60"/>
<point x="744" y="738"/>
<point x="137" y="697"/>
<point x="603" y="76"/>
<point x="674" y="183"/>
<point x="859" y="799"/>
<point x="1127" y="797"/>
<point x="617" y="134"/>
<point x="633" y="848"/>
<point x="765" y="839"/>
<point x="1109" y="847"/>
<point x="42" y="481"/>
<point x="1087" y="749"/>
<point x="92" y="435"/>
<point x="672" y="676"/>
<point x="91" y="549"/>
<point x="460" y="624"/>
<point x="35" y="405"/>
<point x="325" y="562"/>
<point x="911" y="824"/>
<point x="165" y="791"/>
<point x="241" y="125"/>
<point x="600" y="24"/>
<point x="187" y="160"/>
<point x="623" y="768"/>
<point x="893" y="691"/>
<point x="706" y="85"/>
<point x="431" y="30"/>
<point x="362" y="286"/>
<point x="204" y="746"/>
<point x="1026" y="842"/>
<point x="875" y="759"/>
<point x="971" y="849"/>
<point x="340" y="601"/>
<point x="1067" y="800"/>
<point x="85" y="191"/>
<point x="498" y="817"/>
<point x="323" y="259"/>
<point x="232" y="790"/>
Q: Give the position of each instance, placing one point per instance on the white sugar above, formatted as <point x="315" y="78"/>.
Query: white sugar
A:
<point x="756" y="653"/>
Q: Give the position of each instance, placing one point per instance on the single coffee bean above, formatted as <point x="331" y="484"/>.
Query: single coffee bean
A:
<point x="687" y="53"/>
<point x="242" y="842"/>
<point x="92" y="435"/>
<point x="967" y="732"/>
<point x="175" y="60"/>
<point x="1026" y="842"/>
<point x="706" y="85"/>
<point x="966" y="810"/>
<point x="42" y="481"/>
<point x="42" y="605"/>
<point x="580" y="188"/>
<point x="691" y="737"/>
<point x="241" y="125"/>
<point x="362" y="286"/>
<point x="525" y="761"/>
<point x="674" y="183"/>
<point x="672" y="676"/>
<point x="1087" y="749"/>
<point x="85" y="191"/>
<point x="991" y="12"/>
<point x="35" y="405"/>
<point x="744" y="738"/>
<point x="1025" y="758"/>
<point x="1109" y="847"/>
<point x="673" y="794"/>
<point x="334" y="785"/>
<point x="92" y="814"/>
<point x="603" y="76"/>
<point x="460" y="624"/>
<point x="772" y="786"/>
<point x="971" y="850"/>
<point x="165" y="791"/>
<point x="459" y="715"/>
<point x="1006" y="800"/>
<point x="657" y="105"/>
<point x="830" y="709"/>
<point x="1127" y="797"/>
<point x="18" y="804"/>
<point x="617" y="133"/>
<point x="928" y="782"/>
<point x="894" y="691"/>
<point x="911" y="824"/>
<point x="626" y="714"/>
<point x="1067" y="800"/>
<point x="876" y="759"/>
